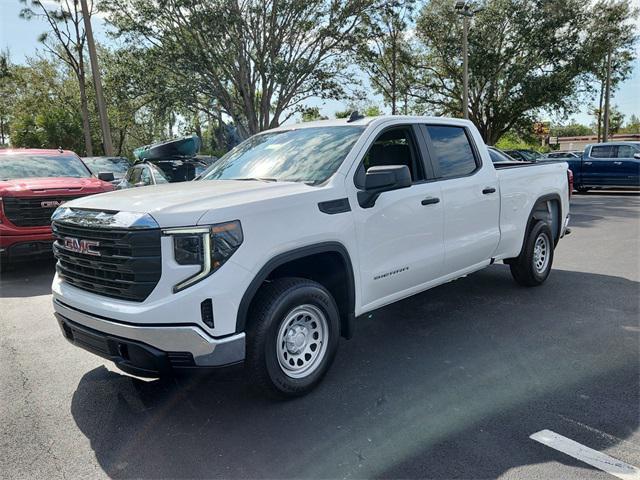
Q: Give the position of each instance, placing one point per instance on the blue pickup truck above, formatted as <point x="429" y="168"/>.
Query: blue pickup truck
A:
<point x="606" y="165"/>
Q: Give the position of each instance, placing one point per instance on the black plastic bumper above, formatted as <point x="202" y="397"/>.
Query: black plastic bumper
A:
<point x="129" y="356"/>
<point x="28" y="249"/>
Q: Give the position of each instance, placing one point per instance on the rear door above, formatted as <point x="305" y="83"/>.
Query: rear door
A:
<point x="470" y="195"/>
<point x="627" y="167"/>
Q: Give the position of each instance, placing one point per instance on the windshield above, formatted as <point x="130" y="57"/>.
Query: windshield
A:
<point x="34" y="166"/>
<point x="106" y="164"/>
<point x="309" y="155"/>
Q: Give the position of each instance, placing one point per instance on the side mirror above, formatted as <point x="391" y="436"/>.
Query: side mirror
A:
<point x="383" y="179"/>
<point x="106" y="176"/>
<point x="636" y="155"/>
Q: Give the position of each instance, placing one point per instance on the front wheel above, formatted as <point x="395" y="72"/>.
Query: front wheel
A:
<point x="533" y="265"/>
<point x="293" y="336"/>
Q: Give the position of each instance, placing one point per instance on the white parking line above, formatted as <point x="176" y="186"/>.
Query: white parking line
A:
<point x="588" y="455"/>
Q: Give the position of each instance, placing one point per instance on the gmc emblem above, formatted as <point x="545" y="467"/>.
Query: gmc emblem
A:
<point x="81" y="246"/>
<point x="51" y="203"/>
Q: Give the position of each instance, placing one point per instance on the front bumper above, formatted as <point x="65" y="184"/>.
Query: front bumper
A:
<point x="25" y="245"/>
<point x="149" y="350"/>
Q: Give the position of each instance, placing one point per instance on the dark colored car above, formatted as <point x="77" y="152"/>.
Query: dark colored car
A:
<point x="142" y="174"/>
<point x="154" y="172"/>
<point x="607" y="165"/>
<point x="33" y="183"/>
<point x="523" y="155"/>
<point x="116" y="165"/>
<point x="568" y="155"/>
<point x="498" y="156"/>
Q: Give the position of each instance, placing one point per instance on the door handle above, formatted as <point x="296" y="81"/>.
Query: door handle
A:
<point x="488" y="190"/>
<point x="588" y="163"/>
<point x="617" y="163"/>
<point x="430" y="201"/>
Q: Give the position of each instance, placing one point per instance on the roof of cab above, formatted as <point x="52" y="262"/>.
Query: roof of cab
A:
<point x="367" y="121"/>
<point x="35" y="151"/>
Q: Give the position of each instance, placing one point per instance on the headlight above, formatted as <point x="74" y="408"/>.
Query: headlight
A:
<point x="210" y="247"/>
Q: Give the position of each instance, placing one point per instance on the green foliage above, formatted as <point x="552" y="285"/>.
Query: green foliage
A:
<point x="368" y="110"/>
<point x="385" y="54"/>
<point x="571" y="130"/>
<point x="311" y="114"/>
<point x="259" y="60"/>
<point x="52" y="127"/>
<point x="632" y="126"/>
<point x="511" y="141"/>
<point x="524" y="57"/>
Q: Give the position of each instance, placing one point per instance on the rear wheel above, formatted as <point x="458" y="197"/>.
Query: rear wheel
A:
<point x="293" y="336"/>
<point x="533" y="265"/>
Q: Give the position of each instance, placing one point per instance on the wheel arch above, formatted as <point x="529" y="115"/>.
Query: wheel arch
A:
<point x="547" y="208"/>
<point x="323" y="258"/>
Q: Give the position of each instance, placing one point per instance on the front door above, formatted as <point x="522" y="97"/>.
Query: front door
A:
<point x="400" y="237"/>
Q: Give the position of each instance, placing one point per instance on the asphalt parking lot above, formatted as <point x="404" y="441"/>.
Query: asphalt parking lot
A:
<point x="447" y="384"/>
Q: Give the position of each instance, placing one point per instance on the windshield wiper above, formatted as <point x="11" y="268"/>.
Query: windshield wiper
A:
<point x="259" y="179"/>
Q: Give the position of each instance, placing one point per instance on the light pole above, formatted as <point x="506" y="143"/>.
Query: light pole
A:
<point x="463" y="8"/>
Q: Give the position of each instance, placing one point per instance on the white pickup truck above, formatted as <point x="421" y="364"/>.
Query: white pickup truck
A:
<point x="271" y="256"/>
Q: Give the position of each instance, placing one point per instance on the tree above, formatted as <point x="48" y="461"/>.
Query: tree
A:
<point x="633" y="126"/>
<point x="259" y="59"/>
<point x="384" y="54"/>
<point x="612" y="33"/>
<point x="616" y="120"/>
<point x="571" y="130"/>
<point x="45" y="106"/>
<point x="524" y="56"/>
<point x="66" y="41"/>
<point x="7" y="94"/>
<point x="311" y="114"/>
<point x="369" y="110"/>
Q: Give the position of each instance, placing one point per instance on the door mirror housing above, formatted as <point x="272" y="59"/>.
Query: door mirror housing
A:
<point x="106" y="176"/>
<point x="383" y="179"/>
<point x="636" y="155"/>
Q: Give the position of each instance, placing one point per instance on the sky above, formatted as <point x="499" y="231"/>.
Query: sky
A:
<point x="20" y="38"/>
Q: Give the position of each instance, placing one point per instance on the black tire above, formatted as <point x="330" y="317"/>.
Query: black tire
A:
<point x="528" y="269"/>
<point x="287" y="299"/>
<point x="582" y="189"/>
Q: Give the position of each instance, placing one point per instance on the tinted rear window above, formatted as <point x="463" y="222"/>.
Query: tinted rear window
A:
<point x="34" y="166"/>
<point x="452" y="151"/>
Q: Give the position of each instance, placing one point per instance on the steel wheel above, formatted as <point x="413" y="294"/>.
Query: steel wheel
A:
<point x="541" y="253"/>
<point x="302" y="341"/>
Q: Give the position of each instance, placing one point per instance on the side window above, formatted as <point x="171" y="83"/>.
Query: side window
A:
<point x="392" y="147"/>
<point x="626" y="151"/>
<point x="135" y="175"/>
<point x="603" y="151"/>
<point x="452" y="151"/>
<point x="158" y="175"/>
<point x="145" y="176"/>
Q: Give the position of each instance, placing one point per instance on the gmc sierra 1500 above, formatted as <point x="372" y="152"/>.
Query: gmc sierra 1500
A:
<point x="271" y="256"/>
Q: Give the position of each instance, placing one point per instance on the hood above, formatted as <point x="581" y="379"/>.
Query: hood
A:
<point x="180" y="204"/>
<point x="48" y="186"/>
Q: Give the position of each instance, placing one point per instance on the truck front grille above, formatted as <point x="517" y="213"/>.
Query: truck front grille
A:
<point x="120" y="263"/>
<point x="34" y="211"/>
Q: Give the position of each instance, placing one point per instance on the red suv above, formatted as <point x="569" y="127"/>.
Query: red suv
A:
<point x="33" y="183"/>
